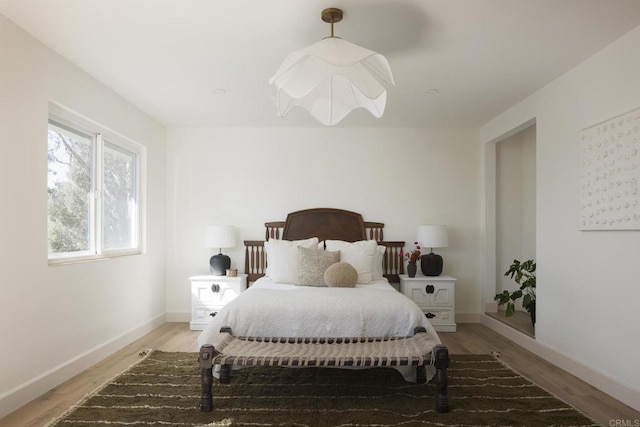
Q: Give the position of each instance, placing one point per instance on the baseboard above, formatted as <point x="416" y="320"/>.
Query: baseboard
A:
<point x="625" y="393"/>
<point x="178" y="316"/>
<point x="26" y="392"/>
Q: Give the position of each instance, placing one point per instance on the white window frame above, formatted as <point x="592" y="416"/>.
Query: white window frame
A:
<point x="101" y="135"/>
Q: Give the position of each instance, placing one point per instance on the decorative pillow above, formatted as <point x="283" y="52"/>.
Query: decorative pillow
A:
<point x="312" y="263"/>
<point x="282" y="258"/>
<point x="378" y="272"/>
<point x="359" y="254"/>
<point x="341" y="275"/>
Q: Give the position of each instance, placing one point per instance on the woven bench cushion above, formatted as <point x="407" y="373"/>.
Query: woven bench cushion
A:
<point x="276" y="351"/>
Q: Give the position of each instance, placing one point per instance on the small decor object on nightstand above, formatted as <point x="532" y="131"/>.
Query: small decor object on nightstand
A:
<point x="220" y="236"/>
<point x="432" y="236"/>
<point x="413" y="256"/>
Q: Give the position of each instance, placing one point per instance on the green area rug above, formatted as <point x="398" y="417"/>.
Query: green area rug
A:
<point x="164" y="390"/>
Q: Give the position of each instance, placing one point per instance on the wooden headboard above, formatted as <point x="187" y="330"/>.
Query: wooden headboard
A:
<point x="326" y="224"/>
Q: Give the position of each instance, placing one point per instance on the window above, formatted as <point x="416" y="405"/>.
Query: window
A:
<point x="93" y="190"/>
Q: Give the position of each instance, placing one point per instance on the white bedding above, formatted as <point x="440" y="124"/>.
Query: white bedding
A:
<point x="270" y="309"/>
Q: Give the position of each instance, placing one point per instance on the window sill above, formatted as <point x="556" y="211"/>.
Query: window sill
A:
<point x="55" y="262"/>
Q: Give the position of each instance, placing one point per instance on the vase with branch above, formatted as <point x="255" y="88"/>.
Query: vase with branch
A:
<point x="413" y="256"/>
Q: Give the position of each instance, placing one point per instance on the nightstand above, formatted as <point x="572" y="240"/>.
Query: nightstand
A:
<point x="435" y="295"/>
<point x="210" y="293"/>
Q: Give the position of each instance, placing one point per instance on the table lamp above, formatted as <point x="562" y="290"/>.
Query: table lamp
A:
<point x="432" y="236"/>
<point x="220" y="236"/>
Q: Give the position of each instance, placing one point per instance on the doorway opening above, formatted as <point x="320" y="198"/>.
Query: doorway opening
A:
<point x="515" y="216"/>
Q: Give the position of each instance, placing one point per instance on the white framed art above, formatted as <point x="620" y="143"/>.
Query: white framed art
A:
<point x="610" y="174"/>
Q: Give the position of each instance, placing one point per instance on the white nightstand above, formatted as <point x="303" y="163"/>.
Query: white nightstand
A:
<point x="210" y="293"/>
<point x="435" y="295"/>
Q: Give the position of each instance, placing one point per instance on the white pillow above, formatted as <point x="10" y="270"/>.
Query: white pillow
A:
<point x="282" y="258"/>
<point x="359" y="254"/>
<point x="378" y="272"/>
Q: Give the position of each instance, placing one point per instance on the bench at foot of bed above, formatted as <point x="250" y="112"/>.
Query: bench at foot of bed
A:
<point x="417" y="350"/>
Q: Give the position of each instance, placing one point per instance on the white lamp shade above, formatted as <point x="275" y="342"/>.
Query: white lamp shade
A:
<point x="331" y="78"/>
<point x="220" y="236"/>
<point x="433" y="236"/>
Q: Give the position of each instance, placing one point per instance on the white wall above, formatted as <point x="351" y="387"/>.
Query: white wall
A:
<point x="588" y="282"/>
<point x="515" y="204"/>
<point x="52" y="319"/>
<point x="247" y="176"/>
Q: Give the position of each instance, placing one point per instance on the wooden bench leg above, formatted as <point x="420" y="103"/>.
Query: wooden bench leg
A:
<point x="225" y="374"/>
<point x="421" y="374"/>
<point x="205" y="358"/>
<point x="441" y="363"/>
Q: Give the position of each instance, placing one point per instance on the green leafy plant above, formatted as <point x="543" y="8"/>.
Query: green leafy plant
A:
<point x="524" y="274"/>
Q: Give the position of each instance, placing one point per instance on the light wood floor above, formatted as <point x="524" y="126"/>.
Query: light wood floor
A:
<point x="470" y="338"/>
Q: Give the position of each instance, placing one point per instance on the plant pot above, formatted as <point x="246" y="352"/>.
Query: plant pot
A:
<point x="412" y="268"/>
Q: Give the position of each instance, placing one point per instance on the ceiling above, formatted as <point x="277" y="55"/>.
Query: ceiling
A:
<point x="171" y="58"/>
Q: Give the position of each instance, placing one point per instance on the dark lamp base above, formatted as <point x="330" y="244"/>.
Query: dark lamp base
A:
<point x="219" y="264"/>
<point x="431" y="264"/>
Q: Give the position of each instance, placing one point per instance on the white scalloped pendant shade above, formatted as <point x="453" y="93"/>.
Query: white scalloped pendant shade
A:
<point x="331" y="78"/>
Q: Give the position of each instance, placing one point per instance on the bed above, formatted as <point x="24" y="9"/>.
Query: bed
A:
<point x="288" y="307"/>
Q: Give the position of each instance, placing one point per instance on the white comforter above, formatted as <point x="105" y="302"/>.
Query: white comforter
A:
<point x="270" y="309"/>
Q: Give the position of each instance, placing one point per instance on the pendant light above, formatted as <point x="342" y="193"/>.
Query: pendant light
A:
<point x="333" y="77"/>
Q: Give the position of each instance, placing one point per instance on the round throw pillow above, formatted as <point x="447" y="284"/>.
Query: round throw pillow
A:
<point x="341" y="275"/>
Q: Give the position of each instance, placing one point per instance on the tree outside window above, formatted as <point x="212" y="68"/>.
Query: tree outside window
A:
<point x="92" y="187"/>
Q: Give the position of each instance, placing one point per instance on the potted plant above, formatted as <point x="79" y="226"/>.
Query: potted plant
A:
<point x="413" y="256"/>
<point x="524" y="274"/>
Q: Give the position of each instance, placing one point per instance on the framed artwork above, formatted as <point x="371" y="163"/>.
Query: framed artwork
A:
<point x="610" y="174"/>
